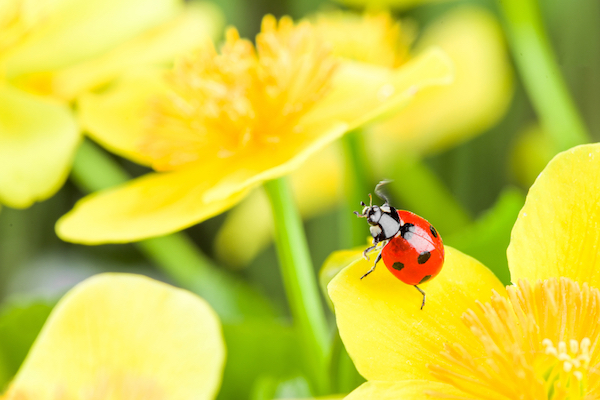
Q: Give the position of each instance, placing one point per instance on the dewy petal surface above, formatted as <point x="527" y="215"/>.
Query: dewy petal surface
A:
<point x="386" y="334"/>
<point x="153" y="205"/>
<point x="75" y="30"/>
<point x="124" y="337"/>
<point x="557" y="233"/>
<point x="405" y="389"/>
<point x="38" y="138"/>
<point x="477" y="98"/>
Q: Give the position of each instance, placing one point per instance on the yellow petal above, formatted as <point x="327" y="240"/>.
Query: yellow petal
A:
<point x="38" y="138"/>
<point x="76" y="30"/>
<point x="362" y="92"/>
<point x="404" y="389"/>
<point x="334" y="263"/>
<point x="124" y="337"/>
<point x="188" y="31"/>
<point x="477" y="98"/>
<point x="557" y="232"/>
<point x="386" y="334"/>
<point x="153" y="205"/>
<point x="115" y="118"/>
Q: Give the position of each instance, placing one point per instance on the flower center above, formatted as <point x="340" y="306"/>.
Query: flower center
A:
<point x="569" y="367"/>
<point x="370" y="38"/>
<point x="240" y="100"/>
<point x="514" y="355"/>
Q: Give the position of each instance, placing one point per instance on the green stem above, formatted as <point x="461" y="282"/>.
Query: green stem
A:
<point x="299" y="280"/>
<point x="541" y="76"/>
<point x="357" y="185"/>
<point x="175" y="254"/>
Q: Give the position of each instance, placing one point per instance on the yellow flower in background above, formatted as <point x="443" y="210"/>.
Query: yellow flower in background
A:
<point x="51" y="51"/>
<point x="220" y="124"/>
<point x="437" y="118"/>
<point x="386" y="4"/>
<point x="446" y="116"/>
<point x="373" y="38"/>
<point x="124" y="337"/>
<point x="536" y="339"/>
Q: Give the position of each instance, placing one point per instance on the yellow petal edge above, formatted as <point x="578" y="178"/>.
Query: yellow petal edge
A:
<point x="557" y="232"/>
<point x="38" y="139"/>
<point x="124" y="337"/>
<point x="413" y="389"/>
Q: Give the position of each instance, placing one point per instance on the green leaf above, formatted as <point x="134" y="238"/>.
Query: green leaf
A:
<point x="20" y="324"/>
<point x="260" y="354"/>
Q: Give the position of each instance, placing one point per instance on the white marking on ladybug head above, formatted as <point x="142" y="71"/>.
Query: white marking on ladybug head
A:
<point x="386" y="209"/>
<point x="374" y="215"/>
<point x="375" y="230"/>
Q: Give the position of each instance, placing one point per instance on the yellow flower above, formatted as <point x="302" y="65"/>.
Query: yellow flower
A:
<point x="383" y="4"/>
<point x="443" y="117"/>
<point x="51" y="51"/>
<point x="437" y="118"/>
<point x="374" y="38"/>
<point x="475" y="339"/>
<point x="222" y="123"/>
<point x="124" y="337"/>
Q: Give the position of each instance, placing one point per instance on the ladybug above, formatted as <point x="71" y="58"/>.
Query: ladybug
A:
<point x="412" y="248"/>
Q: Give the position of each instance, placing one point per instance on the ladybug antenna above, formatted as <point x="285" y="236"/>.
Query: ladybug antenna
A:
<point x="370" y="200"/>
<point x="380" y="193"/>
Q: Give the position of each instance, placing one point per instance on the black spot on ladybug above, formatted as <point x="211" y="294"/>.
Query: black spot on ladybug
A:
<point x="398" y="266"/>
<point x="423" y="257"/>
<point x="407" y="230"/>
<point x="425" y="279"/>
<point x="433" y="231"/>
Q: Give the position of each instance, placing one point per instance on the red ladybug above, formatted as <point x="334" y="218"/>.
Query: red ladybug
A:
<point x="413" y="250"/>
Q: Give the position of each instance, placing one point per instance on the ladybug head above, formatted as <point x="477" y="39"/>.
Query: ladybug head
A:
<point x="384" y="220"/>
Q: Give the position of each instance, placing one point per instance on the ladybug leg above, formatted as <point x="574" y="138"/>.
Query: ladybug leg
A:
<point x="374" y="265"/>
<point x="423" y="293"/>
<point x="365" y="255"/>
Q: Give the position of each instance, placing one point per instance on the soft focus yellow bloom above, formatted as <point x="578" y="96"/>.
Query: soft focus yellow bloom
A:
<point x="222" y="123"/>
<point x="532" y="150"/>
<point x="371" y="38"/>
<point x="51" y="51"/>
<point x="443" y="117"/>
<point x="437" y="118"/>
<point x="537" y="339"/>
<point x="385" y="4"/>
<point x="124" y="337"/>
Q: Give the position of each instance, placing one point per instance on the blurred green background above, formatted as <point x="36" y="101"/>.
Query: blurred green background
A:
<point x="488" y="176"/>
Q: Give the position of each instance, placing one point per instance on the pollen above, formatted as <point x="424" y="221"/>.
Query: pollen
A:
<point x="539" y="343"/>
<point x="371" y="38"/>
<point x="241" y="101"/>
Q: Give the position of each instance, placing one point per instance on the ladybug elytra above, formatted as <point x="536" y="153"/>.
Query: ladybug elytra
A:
<point x="412" y="248"/>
